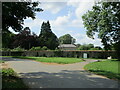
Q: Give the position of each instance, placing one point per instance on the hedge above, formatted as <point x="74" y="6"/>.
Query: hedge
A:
<point x="58" y="53"/>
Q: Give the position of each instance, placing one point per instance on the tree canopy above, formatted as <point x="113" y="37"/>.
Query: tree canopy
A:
<point x="85" y="47"/>
<point x="47" y="37"/>
<point x="14" y="13"/>
<point x="66" y="39"/>
<point x="104" y="18"/>
<point x="24" y="39"/>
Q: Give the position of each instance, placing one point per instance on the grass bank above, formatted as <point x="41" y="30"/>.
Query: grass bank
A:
<point x="11" y="80"/>
<point x="59" y="60"/>
<point x="107" y="68"/>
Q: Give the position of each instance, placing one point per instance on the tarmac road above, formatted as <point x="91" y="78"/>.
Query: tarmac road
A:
<point x="41" y="75"/>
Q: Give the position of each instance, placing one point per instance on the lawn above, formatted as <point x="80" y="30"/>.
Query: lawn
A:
<point x="107" y="68"/>
<point x="59" y="60"/>
<point x="10" y="79"/>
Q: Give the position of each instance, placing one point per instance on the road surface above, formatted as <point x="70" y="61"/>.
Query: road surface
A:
<point x="40" y="75"/>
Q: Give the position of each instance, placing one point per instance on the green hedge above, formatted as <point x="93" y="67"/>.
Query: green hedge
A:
<point x="58" y="53"/>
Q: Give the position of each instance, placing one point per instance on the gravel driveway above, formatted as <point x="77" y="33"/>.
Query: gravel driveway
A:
<point x="41" y="75"/>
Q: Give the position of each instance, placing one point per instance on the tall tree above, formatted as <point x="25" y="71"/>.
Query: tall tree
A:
<point x="14" y="14"/>
<point x="47" y="37"/>
<point x="104" y="18"/>
<point x="66" y="39"/>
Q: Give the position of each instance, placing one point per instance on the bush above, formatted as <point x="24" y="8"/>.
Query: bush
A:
<point x="44" y="48"/>
<point x="35" y="48"/>
<point x="18" y="49"/>
<point x="8" y="72"/>
<point x="94" y="49"/>
<point x="5" y="49"/>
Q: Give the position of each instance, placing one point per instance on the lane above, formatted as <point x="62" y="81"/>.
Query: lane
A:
<point x="40" y="75"/>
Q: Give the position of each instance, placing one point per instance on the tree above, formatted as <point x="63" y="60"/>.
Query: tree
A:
<point x="78" y="45"/>
<point x="104" y="18"/>
<point x="96" y="48"/>
<point x="47" y="37"/>
<point x="86" y="47"/>
<point x="66" y="39"/>
<point x="24" y="39"/>
<point x="14" y="14"/>
<point x="7" y="39"/>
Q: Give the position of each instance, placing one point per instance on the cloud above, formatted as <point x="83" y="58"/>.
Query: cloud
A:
<point x="62" y="24"/>
<point x="33" y="23"/>
<point x="84" y="39"/>
<point x="53" y="7"/>
<point x="61" y="21"/>
<point x="83" y="8"/>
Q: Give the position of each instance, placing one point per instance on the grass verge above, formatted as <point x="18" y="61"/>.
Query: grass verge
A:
<point x="106" y="68"/>
<point x="1" y="61"/>
<point x="11" y="80"/>
<point x="59" y="60"/>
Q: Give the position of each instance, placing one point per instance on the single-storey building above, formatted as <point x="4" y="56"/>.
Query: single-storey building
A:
<point x="67" y="47"/>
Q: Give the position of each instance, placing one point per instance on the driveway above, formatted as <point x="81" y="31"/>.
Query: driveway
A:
<point x="42" y="75"/>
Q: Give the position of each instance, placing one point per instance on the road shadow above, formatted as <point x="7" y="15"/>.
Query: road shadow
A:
<point x="67" y="79"/>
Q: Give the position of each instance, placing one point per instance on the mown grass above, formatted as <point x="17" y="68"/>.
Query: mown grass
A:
<point x="11" y="80"/>
<point x="59" y="60"/>
<point x="107" y="68"/>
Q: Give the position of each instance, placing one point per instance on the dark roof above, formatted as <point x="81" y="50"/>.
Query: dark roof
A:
<point x="67" y="45"/>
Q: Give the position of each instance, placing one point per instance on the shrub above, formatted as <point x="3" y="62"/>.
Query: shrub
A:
<point x="18" y="49"/>
<point x="8" y="72"/>
<point x="5" y="49"/>
<point x="35" y="48"/>
<point x="44" y="48"/>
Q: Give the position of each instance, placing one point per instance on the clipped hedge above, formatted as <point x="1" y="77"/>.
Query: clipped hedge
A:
<point x="58" y="53"/>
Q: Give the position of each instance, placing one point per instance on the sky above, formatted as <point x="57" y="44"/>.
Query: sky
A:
<point x="65" y="17"/>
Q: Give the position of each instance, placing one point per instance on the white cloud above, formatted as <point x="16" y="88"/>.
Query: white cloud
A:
<point x="33" y="23"/>
<point x="84" y="39"/>
<point x="53" y="7"/>
<point x="61" y="24"/>
<point x="61" y="21"/>
<point x="83" y="7"/>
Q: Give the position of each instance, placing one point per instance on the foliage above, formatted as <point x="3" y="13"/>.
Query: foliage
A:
<point x="18" y="49"/>
<point x="58" y="53"/>
<point x="7" y="39"/>
<point x="66" y="39"/>
<point x="78" y="45"/>
<point x="8" y="72"/>
<point x="35" y="48"/>
<point x="5" y="49"/>
<point x="104" y="18"/>
<point x="108" y="68"/>
<point x="86" y="47"/>
<point x="10" y="79"/>
<point x="44" y="48"/>
<point x="96" y="48"/>
<point x="59" y="60"/>
<point x="13" y="15"/>
<point x="24" y="39"/>
<point x="47" y="37"/>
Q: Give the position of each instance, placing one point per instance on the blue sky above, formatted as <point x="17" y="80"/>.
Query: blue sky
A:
<point x="65" y="18"/>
